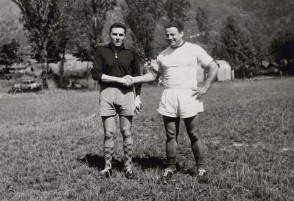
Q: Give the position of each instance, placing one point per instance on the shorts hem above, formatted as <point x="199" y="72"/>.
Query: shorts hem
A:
<point x="191" y="115"/>
<point x="181" y="116"/>
<point x="166" y="114"/>
<point x="126" y="115"/>
<point x="107" y="115"/>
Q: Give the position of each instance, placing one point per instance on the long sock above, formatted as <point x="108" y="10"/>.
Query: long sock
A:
<point x="171" y="149"/>
<point x="128" y="151"/>
<point x="171" y="163"/>
<point x="108" y="153"/>
<point x="197" y="148"/>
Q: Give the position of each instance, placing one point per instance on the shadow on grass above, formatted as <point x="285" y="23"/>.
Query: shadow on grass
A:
<point x="96" y="161"/>
<point x="150" y="162"/>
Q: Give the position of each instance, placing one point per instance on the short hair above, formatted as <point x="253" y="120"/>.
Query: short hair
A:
<point x="118" y="25"/>
<point x="177" y="24"/>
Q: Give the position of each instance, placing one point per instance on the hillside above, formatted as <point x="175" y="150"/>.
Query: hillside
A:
<point x="272" y="14"/>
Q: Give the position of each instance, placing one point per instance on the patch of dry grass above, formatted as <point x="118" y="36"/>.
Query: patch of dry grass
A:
<point x="51" y="147"/>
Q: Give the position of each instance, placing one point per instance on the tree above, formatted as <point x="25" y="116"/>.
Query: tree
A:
<point x="282" y="50"/>
<point x="9" y="53"/>
<point x="90" y="16"/>
<point x="282" y="45"/>
<point x="65" y="36"/>
<point x="177" y="9"/>
<point x="202" y="19"/>
<point x="141" y="16"/>
<point x="40" y="19"/>
<point x="84" y="55"/>
<point x="236" y="45"/>
<point x="202" y="23"/>
<point x="80" y="29"/>
<point x="89" y="20"/>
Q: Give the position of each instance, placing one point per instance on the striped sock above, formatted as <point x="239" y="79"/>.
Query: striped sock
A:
<point x="108" y="153"/>
<point x="128" y="151"/>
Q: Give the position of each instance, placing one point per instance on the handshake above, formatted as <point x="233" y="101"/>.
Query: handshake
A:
<point x="127" y="80"/>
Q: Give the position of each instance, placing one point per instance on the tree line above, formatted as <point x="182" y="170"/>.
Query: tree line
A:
<point x="55" y="27"/>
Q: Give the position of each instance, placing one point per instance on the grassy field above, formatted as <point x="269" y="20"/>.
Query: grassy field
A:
<point x="51" y="147"/>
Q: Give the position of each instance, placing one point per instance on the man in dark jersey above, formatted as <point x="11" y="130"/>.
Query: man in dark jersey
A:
<point x="110" y="64"/>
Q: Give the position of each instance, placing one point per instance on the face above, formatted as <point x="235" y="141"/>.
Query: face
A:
<point x="117" y="36"/>
<point x="173" y="36"/>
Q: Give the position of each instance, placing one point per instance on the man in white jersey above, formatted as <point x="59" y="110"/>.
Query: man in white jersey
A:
<point x="181" y="98"/>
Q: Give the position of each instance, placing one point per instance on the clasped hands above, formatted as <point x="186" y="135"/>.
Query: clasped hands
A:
<point x="127" y="80"/>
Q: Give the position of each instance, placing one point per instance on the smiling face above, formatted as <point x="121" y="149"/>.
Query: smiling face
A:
<point x="117" y="36"/>
<point x="174" y="37"/>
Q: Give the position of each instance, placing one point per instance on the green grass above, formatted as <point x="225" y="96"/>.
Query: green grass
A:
<point x="51" y="147"/>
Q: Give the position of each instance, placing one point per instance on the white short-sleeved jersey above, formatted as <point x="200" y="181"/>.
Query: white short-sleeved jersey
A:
<point x="178" y="66"/>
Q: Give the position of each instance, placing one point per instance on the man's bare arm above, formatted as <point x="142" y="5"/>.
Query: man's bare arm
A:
<point x="212" y="72"/>
<point x="149" y="77"/>
<point x="107" y="78"/>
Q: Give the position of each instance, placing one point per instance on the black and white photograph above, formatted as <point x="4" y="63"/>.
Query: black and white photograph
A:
<point x="146" y="100"/>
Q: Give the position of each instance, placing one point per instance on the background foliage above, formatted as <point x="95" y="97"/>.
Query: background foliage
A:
<point x="243" y="33"/>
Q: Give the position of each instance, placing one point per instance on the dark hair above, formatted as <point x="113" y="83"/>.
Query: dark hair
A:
<point x="118" y="25"/>
<point x="177" y="24"/>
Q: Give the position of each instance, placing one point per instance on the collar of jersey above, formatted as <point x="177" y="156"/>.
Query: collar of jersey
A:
<point x="123" y="47"/>
<point x="178" y="46"/>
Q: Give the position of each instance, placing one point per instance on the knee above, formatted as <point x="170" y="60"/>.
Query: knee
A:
<point x="108" y="135"/>
<point x="194" y="136"/>
<point x="170" y="136"/>
<point x="126" y="132"/>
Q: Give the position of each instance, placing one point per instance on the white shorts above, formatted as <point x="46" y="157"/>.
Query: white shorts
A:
<point x="179" y="103"/>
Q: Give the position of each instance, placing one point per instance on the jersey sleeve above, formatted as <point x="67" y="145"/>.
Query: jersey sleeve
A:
<point x="203" y="58"/>
<point x="136" y="67"/>
<point x="156" y="65"/>
<point x="97" y="65"/>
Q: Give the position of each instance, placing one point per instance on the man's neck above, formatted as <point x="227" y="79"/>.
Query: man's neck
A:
<point x="116" y="48"/>
<point x="181" y="44"/>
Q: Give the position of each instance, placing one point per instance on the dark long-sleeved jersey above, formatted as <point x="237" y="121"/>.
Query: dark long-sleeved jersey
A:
<point x="118" y="63"/>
